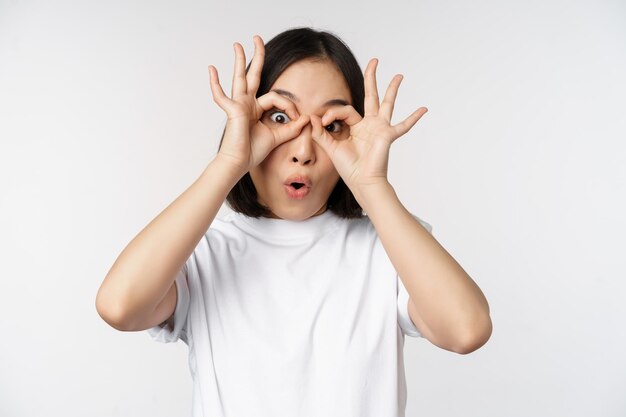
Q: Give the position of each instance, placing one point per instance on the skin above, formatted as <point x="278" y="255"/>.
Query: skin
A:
<point x="311" y="85"/>
<point x="445" y="303"/>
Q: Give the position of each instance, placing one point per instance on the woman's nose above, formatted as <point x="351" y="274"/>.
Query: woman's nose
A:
<point x="302" y="149"/>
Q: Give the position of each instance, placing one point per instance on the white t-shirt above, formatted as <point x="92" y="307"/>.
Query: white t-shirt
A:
<point x="292" y="318"/>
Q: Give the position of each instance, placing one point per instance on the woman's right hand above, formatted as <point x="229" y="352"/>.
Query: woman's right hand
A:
<point x="247" y="141"/>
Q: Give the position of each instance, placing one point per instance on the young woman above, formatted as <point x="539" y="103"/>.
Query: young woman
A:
<point x="297" y="303"/>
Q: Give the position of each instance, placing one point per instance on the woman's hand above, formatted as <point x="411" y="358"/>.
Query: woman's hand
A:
<point x="362" y="158"/>
<point x="247" y="141"/>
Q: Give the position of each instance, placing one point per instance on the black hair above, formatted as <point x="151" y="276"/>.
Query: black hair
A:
<point x="281" y="51"/>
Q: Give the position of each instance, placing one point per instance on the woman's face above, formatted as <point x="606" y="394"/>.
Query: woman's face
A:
<point x="314" y="87"/>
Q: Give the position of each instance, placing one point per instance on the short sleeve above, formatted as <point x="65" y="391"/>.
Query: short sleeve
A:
<point x="404" y="320"/>
<point x="176" y="326"/>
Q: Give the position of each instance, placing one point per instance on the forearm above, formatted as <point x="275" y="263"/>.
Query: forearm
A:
<point x="145" y="270"/>
<point x="446" y="298"/>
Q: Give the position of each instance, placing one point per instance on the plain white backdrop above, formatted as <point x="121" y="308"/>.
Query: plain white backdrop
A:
<point x="106" y="117"/>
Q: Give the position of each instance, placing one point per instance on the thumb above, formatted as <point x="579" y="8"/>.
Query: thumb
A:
<point x="290" y="130"/>
<point x="320" y="135"/>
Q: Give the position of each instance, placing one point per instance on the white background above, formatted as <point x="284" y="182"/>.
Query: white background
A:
<point x="106" y="117"/>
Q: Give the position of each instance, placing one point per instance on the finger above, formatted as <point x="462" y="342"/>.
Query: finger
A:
<point x="371" y="90"/>
<point x="406" y="125"/>
<point x="254" y="72"/>
<point x="346" y="113"/>
<point x="239" y="75"/>
<point x="386" y="107"/>
<point x="320" y="135"/>
<point x="216" y="89"/>
<point x="290" y="130"/>
<point x="273" y="99"/>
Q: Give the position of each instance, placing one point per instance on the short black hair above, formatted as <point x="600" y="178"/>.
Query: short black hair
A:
<point x="281" y="51"/>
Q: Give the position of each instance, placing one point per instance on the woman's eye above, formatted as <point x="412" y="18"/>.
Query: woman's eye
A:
<point x="279" y="117"/>
<point x="334" y="127"/>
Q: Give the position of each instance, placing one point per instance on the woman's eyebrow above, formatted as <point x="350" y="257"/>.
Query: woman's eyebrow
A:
<point x="333" y="102"/>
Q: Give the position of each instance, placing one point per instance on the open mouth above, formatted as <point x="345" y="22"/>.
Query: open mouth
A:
<point x="297" y="190"/>
<point x="298" y="186"/>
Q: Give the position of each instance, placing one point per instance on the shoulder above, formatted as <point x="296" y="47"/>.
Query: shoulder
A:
<point x="227" y="223"/>
<point x="222" y="232"/>
<point x="359" y="225"/>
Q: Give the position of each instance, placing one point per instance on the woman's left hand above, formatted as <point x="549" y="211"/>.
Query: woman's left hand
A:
<point x="361" y="160"/>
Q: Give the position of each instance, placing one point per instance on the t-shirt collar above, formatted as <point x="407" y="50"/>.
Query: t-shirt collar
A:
<point x="282" y="229"/>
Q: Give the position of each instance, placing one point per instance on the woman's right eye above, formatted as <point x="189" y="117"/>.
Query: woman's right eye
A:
<point x="279" y="117"/>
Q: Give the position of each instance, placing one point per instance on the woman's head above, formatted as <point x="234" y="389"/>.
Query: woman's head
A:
<point x="310" y="67"/>
<point x="298" y="44"/>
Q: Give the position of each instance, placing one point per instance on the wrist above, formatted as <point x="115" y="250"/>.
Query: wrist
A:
<point x="229" y="165"/>
<point x="228" y="169"/>
<point x="370" y="194"/>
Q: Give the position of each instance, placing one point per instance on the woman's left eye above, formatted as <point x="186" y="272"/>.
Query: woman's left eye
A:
<point x="279" y="117"/>
<point x="334" y="127"/>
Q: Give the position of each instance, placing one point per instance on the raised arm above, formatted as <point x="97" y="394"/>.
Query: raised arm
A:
<point x="445" y="303"/>
<point x="130" y="297"/>
<point x="139" y="291"/>
<point x="448" y="307"/>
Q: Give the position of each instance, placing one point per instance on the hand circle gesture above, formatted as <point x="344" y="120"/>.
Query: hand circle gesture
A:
<point x="247" y="141"/>
<point x="362" y="159"/>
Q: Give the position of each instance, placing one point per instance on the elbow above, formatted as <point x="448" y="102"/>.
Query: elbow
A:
<point x="474" y="338"/>
<point x="111" y="313"/>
